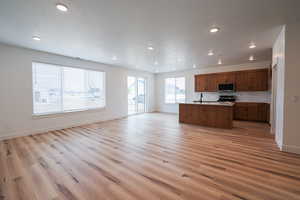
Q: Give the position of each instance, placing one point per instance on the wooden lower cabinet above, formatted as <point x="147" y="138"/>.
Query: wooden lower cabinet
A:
<point x="249" y="111"/>
<point x="240" y="111"/>
<point x="206" y="115"/>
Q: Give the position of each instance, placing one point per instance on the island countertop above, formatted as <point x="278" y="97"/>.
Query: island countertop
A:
<point x="212" y="103"/>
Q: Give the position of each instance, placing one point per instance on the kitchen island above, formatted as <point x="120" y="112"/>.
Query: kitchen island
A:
<point x="212" y="114"/>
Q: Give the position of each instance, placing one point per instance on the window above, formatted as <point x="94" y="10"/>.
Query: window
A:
<point x="175" y="90"/>
<point x="58" y="89"/>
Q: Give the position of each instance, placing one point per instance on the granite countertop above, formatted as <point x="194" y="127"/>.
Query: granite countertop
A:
<point x="213" y="103"/>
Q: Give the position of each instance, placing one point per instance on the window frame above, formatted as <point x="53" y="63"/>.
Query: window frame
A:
<point x="175" y="93"/>
<point x="63" y="112"/>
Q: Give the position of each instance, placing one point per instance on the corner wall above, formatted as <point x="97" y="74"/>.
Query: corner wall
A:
<point x="291" y="136"/>
<point x="278" y="84"/>
<point x="16" y="93"/>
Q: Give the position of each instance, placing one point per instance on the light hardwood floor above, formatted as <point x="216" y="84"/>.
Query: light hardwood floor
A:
<point x="149" y="156"/>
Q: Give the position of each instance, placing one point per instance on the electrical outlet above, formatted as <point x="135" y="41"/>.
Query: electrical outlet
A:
<point x="295" y="99"/>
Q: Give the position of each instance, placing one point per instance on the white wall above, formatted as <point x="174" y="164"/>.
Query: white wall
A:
<point x="210" y="96"/>
<point x="16" y="93"/>
<point x="291" y="136"/>
<point x="286" y="55"/>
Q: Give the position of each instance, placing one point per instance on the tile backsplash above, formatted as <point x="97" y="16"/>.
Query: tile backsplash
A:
<point x="264" y="96"/>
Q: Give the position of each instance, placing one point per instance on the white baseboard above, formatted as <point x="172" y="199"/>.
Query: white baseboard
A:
<point x="291" y="149"/>
<point x="288" y="148"/>
<point x="16" y="134"/>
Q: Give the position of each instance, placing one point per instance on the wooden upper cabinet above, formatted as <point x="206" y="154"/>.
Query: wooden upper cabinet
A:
<point x="212" y="80"/>
<point x="200" y="83"/>
<point x="241" y="81"/>
<point x="250" y="80"/>
<point x="226" y="78"/>
<point x="206" y="83"/>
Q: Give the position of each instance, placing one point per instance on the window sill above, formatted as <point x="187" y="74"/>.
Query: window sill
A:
<point x="71" y="112"/>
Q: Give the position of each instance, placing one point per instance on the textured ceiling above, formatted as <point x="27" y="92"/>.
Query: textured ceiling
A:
<point x="178" y="30"/>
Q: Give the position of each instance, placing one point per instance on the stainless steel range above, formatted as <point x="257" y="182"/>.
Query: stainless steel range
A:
<point x="223" y="98"/>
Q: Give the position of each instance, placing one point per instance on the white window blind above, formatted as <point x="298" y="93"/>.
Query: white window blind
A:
<point x="59" y="89"/>
<point x="175" y="90"/>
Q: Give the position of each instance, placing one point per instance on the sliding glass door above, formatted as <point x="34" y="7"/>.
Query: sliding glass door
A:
<point x="136" y="95"/>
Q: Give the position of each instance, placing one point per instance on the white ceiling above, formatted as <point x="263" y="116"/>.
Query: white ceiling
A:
<point x="97" y="30"/>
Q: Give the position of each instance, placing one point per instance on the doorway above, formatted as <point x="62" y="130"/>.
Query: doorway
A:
<point x="136" y="95"/>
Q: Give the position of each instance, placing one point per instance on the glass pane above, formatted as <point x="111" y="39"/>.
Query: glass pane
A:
<point x="170" y="90"/>
<point x="180" y="90"/>
<point x="141" y="95"/>
<point x="132" y="91"/>
<point x="95" y="91"/>
<point x="83" y="89"/>
<point x="74" y="89"/>
<point x="46" y="88"/>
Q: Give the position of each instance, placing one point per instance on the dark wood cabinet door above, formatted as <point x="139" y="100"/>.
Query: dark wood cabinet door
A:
<point x="264" y="112"/>
<point x="196" y="83"/>
<point x="230" y="77"/>
<point x="253" y="112"/>
<point x="212" y="83"/>
<point x="262" y="80"/>
<point x="241" y="111"/>
<point x="226" y="78"/>
<point x="200" y="83"/>
<point x="182" y="110"/>
<point x="241" y="81"/>
<point x="252" y="84"/>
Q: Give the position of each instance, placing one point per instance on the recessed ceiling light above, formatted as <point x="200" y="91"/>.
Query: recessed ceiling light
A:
<point x="219" y="62"/>
<point x="194" y="66"/>
<point x="214" y="30"/>
<point x="62" y="7"/>
<point x="252" y="46"/>
<point x="150" y="48"/>
<point x="210" y="53"/>
<point x="251" y="58"/>
<point x="155" y="63"/>
<point x="36" y="38"/>
<point x="114" y="58"/>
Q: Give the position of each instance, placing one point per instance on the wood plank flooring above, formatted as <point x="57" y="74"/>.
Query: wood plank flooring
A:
<point x="149" y="156"/>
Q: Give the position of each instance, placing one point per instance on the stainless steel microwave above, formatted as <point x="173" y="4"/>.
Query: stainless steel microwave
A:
<point x="229" y="87"/>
